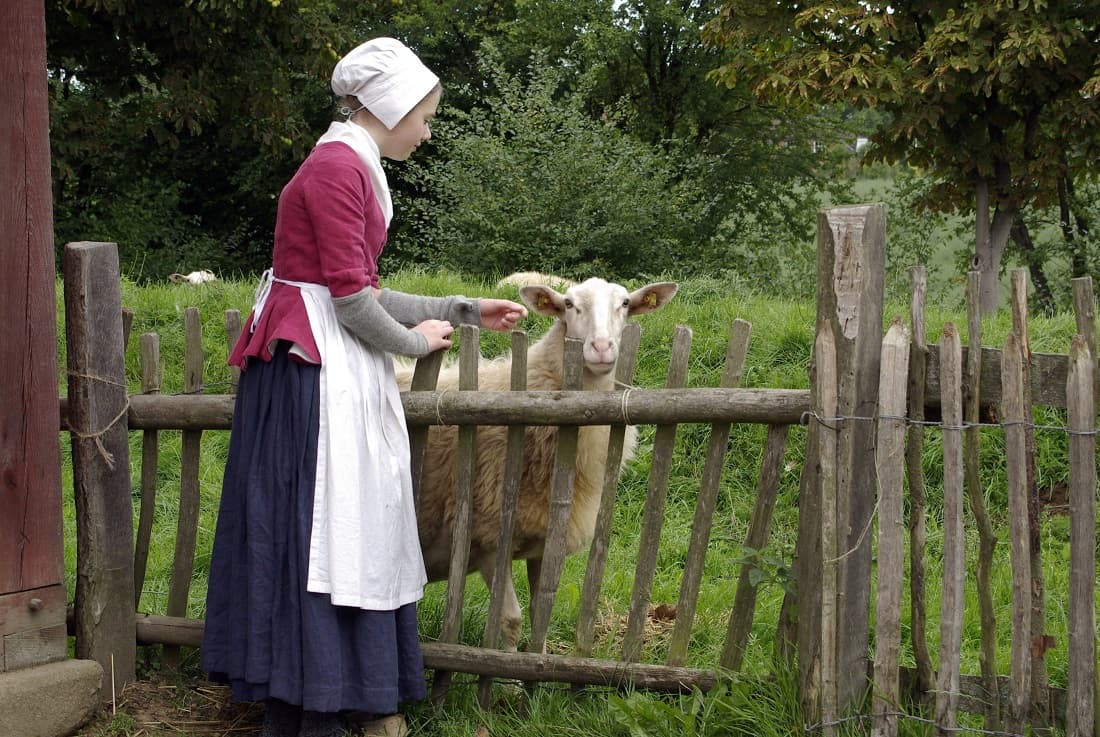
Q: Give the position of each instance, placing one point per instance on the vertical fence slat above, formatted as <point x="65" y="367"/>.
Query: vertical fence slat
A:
<point x="232" y="333"/>
<point x="890" y="464"/>
<point x="469" y="354"/>
<point x="601" y="537"/>
<point x="1012" y="413"/>
<point x="183" y="563"/>
<point x="914" y="448"/>
<point x="1084" y="310"/>
<point x="732" y="373"/>
<point x="825" y="380"/>
<point x="653" y="516"/>
<point x="425" y="377"/>
<point x="1081" y="688"/>
<point x="954" y="542"/>
<point x="1040" y="706"/>
<point x="545" y="575"/>
<point x="987" y="540"/>
<point x="744" y="600"/>
<point x="150" y="453"/>
<point x="513" y="473"/>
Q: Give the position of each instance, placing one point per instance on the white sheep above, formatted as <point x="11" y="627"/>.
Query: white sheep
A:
<point x="594" y="311"/>
<point x="534" y="279"/>
<point x="195" y="277"/>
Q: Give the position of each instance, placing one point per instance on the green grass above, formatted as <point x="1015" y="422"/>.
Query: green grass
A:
<point x="760" y="700"/>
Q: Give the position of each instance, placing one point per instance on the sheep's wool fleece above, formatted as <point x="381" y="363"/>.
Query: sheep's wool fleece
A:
<point x="386" y="77"/>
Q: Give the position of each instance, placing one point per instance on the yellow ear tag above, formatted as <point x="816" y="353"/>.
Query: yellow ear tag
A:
<point x="543" y="301"/>
<point x="651" y="299"/>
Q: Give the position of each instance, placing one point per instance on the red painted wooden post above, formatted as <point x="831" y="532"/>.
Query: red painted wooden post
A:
<point x="32" y="593"/>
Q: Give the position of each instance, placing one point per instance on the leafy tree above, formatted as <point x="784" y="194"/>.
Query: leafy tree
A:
<point x="995" y="100"/>
<point x="529" y="181"/>
<point x="175" y="125"/>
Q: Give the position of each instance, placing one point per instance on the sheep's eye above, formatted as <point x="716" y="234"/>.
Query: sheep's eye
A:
<point x="626" y="303"/>
<point x="568" y="303"/>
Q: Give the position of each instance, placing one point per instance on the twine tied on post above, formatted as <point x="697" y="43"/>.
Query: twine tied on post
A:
<point x="97" y="436"/>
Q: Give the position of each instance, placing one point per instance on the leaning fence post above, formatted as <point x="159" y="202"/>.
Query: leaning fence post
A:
<point x="513" y="473"/>
<point x="101" y="460"/>
<point x="890" y="462"/>
<point x="545" y="575"/>
<point x="653" y="516"/>
<point x="597" y="555"/>
<point x="734" y="369"/>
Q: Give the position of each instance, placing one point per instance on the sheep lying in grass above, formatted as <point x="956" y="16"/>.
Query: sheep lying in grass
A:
<point x="594" y="311"/>
<point x="534" y="279"/>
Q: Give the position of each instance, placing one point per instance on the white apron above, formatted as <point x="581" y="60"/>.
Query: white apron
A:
<point x="364" y="549"/>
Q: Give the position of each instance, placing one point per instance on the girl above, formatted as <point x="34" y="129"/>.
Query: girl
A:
<point x="316" y="566"/>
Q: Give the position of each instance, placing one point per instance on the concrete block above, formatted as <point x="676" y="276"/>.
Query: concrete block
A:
<point x="51" y="700"/>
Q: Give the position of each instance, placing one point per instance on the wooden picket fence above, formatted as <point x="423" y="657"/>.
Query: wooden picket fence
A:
<point x="911" y="379"/>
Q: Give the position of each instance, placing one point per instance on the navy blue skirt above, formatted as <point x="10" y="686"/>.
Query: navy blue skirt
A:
<point x="265" y="635"/>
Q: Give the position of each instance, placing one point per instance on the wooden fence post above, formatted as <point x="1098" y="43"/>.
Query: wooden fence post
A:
<point x="987" y="540"/>
<point x="918" y="369"/>
<point x="150" y="454"/>
<point x="183" y="562"/>
<point x="851" y="246"/>
<point x="825" y="406"/>
<point x="890" y="462"/>
<point x="545" y="575"/>
<point x="734" y="369"/>
<point x="464" y="500"/>
<point x="1081" y="689"/>
<point x="601" y="536"/>
<point x="1013" y="417"/>
<point x="101" y="461"/>
<point x="954" y="542"/>
<point x="663" y="443"/>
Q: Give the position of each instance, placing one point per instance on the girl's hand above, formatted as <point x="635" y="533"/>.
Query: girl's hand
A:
<point x="438" y="333"/>
<point x="501" y="314"/>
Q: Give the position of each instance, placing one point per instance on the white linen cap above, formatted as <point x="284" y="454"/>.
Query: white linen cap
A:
<point x="387" y="78"/>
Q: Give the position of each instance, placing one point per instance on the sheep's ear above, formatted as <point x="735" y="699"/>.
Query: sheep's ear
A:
<point x="543" y="300"/>
<point x="652" y="297"/>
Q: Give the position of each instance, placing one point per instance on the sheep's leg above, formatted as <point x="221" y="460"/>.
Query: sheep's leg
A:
<point x="511" y="616"/>
<point x="534" y="572"/>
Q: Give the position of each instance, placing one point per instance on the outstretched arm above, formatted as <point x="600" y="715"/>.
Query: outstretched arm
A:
<point x="501" y="314"/>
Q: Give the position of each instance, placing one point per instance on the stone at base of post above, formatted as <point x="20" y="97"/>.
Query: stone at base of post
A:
<point x="50" y="700"/>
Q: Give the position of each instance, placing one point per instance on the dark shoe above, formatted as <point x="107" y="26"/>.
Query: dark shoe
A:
<point x="321" y="724"/>
<point x="281" y="719"/>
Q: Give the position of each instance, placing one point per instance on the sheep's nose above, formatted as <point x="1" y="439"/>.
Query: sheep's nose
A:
<point x="604" y="349"/>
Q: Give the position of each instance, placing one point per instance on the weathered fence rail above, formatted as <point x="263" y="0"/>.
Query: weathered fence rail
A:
<point x="917" y="387"/>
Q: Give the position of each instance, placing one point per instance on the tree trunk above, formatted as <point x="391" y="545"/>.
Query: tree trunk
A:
<point x="1021" y="236"/>
<point x="989" y="244"/>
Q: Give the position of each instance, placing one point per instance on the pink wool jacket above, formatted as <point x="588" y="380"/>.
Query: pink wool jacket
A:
<point x="329" y="230"/>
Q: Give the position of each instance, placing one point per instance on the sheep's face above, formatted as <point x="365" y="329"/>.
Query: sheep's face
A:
<point x="595" y="312"/>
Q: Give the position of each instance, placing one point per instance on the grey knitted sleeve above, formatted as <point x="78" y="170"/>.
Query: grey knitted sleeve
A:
<point x="411" y="309"/>
<point x="370" y="322"/>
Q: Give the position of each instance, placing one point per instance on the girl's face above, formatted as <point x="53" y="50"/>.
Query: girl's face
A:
<point x="414" y="129"/>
